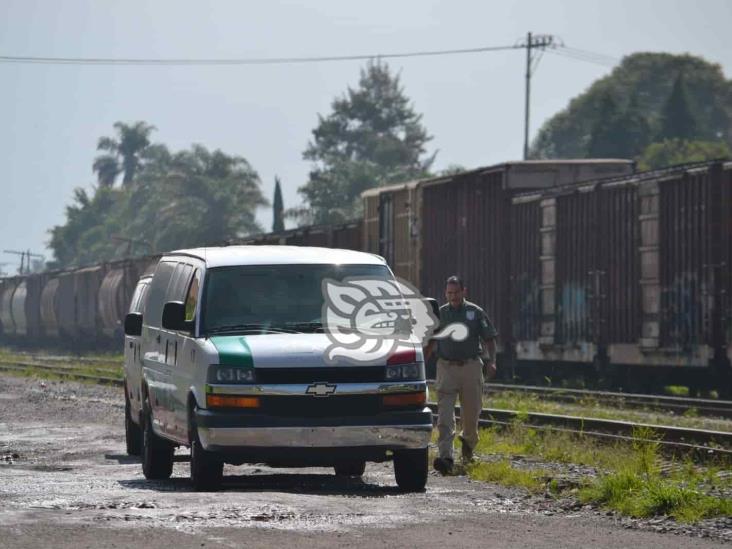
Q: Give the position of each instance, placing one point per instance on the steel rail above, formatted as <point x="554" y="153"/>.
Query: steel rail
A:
<point x="703" y="442"/>
<point x="703" y="406"/>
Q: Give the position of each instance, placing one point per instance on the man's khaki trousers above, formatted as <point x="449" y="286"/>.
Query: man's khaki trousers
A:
<point x="465" y="381"/>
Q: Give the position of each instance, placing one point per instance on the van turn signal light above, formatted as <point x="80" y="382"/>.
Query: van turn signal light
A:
<point x="231" y="401"/>
<point x="406" y="399"/>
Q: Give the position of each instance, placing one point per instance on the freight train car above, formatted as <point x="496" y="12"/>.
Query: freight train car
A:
<point x="430" y="229"/>
<point x="346" y="236"/>
<point x="626" y="278"/>
<point x="76" y="308"/>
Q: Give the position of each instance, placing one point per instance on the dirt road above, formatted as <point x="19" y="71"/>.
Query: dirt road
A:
<point x="65" y="482"/>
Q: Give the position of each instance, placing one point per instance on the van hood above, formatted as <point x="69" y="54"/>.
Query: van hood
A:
<point x="276" y="350"/>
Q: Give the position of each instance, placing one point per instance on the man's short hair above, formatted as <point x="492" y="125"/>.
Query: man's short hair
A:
<point x="454" y="279"/>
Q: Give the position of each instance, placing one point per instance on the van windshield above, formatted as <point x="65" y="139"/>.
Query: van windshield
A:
<point x="272" y="298"/>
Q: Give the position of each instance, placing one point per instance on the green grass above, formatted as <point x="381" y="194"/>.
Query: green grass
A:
<point x="502" y="472"/>
<point x="102" y="368"/>
<point x="631" y="478"/>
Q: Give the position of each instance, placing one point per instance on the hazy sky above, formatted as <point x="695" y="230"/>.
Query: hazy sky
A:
<point x="52" y="116"/>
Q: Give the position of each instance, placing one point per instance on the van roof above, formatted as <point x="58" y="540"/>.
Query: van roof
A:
<point x="227" y="256"/>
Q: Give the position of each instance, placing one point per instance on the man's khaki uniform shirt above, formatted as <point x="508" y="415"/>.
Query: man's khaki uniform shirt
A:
<point x="479" y="326"/>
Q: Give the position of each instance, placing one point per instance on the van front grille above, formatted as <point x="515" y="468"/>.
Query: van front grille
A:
<point x="312" y="406"/>
<point x="339" y="374"/>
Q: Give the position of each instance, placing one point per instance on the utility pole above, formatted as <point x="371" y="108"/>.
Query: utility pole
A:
<point x="537" y="43"/>
<point x="25" y="259"/>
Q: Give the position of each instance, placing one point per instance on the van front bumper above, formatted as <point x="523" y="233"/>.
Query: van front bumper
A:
<point x="225" y="432"/>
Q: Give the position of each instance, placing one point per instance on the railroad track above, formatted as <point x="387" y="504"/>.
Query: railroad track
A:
<point x="703" y="443"/>
<point x="67" y="372"/>
<point x="679" y="405"/>
<point x="702" y="406"/>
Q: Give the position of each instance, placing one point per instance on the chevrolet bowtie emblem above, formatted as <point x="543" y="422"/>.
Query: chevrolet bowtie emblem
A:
<point x="320" y="389"/>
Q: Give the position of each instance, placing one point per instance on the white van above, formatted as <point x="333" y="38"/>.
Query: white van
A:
<point x="234" y="367"/>
<point x="133" y="367"/>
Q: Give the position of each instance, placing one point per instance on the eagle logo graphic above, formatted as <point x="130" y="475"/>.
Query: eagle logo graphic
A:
<point x="367" y="319"/>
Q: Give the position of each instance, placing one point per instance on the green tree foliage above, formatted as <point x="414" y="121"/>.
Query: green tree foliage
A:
<point x="372" y="137"/>
<point x="642" y="89"/>
<point x="278" y="209"/>
<point x="678" y="151"/>
<point x="126" y="149"/>
<point x="677" y="119"/>
<point x="187" y="198"/>
<point x="616" y="133"/>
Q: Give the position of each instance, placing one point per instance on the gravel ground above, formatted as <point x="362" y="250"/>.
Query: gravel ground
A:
<point x="65" y="481"/>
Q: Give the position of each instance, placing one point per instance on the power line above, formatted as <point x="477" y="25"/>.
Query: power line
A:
<point x="243" y="60"/>
<point x="586" y="56"/>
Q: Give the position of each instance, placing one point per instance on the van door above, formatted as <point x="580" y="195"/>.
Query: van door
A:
<point x="171" y="347"/>
<point x="184" y="372"/>
<point x="155" y="369"/>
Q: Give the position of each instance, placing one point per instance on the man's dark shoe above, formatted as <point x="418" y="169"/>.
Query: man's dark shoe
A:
<point x="443" y="465"/>
<point x="466" y="450"/>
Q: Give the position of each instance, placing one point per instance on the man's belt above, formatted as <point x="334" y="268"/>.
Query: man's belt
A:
<point x="459" y="362"/>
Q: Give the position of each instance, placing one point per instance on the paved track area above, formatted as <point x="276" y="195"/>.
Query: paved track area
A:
<point x="65" y="482"/>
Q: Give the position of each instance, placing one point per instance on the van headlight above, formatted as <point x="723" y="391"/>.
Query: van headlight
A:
<point x="405" y="372"/>
<point x="226" y="374"/>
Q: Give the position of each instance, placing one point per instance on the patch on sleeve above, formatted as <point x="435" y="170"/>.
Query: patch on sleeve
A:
<point x="470" y="315"/>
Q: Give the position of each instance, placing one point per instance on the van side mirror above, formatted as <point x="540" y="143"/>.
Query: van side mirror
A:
<point x="133" y="324"/>
<point x="174" y="316"/>
<point x="435" y="306"/>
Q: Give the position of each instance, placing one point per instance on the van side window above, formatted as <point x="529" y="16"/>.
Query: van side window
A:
<point x="135" y="301"/>
<point x="192" y="297"/>
<point x="179" y="283"/>
<point x="157" y="293"/>
<point x="143" y="298"/>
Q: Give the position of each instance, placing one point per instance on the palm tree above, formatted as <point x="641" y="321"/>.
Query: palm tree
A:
<point x="107" y="169"/>
<point x="131" y="141"/>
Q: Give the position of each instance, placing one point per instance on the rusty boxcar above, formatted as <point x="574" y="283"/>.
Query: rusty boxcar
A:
<point x="629" y="275"/>
<point x="460" y="224"/>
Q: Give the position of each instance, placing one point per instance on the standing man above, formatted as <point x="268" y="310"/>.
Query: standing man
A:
<point x="460" y="372"/>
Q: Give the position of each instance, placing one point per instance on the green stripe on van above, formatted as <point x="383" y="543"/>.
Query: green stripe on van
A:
<point x="233" y="351"/>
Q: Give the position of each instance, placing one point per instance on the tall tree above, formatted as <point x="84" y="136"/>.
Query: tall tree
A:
<point x="604" y="134"/>
<point x="616" y="133"/>
<point x="107" y="169"/>
<point x="278" y="209"/>
<point x="644" y="81"/>
<point x="677" y="117"/>
<point x="372" y="136"/>
<point x="128" y="146"/>
<point x="180" y="199"/>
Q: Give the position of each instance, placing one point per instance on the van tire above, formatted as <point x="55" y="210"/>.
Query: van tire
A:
<point x="157" y="453"/>
<point x="133" y="433"/>
<point x="350" y="468"/>
<point x="207" y="471"/>
<point x="411" y="468"/>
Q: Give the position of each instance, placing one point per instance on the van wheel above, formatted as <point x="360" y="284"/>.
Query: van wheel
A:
<point x="157" y="453"/>
<point x="350" y="468"/>
<point x="411" y="468"/>
<point x="133" y="433"/>
<point x="207" y="470"/>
